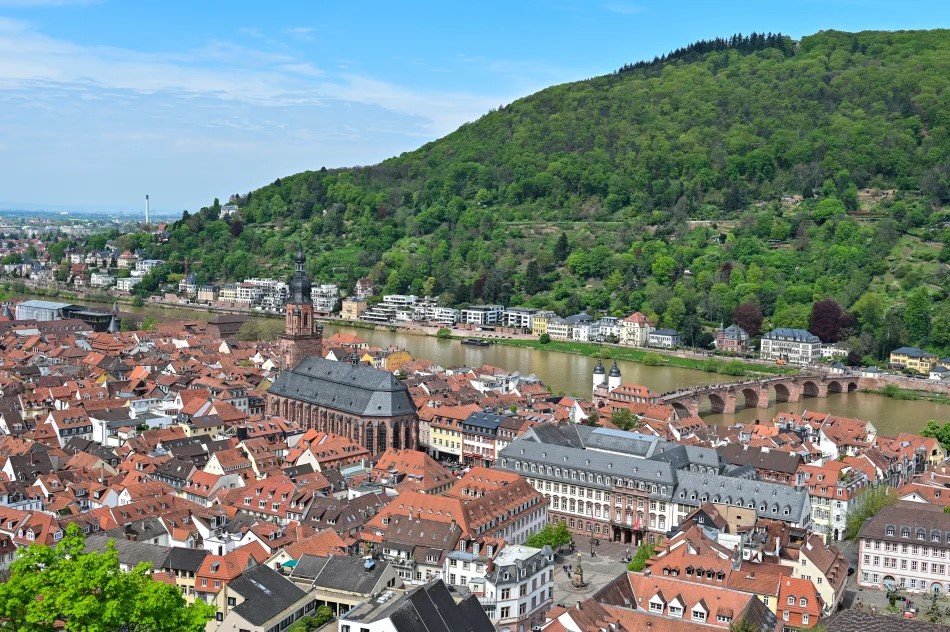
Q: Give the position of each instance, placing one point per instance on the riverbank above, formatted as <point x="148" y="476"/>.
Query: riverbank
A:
<point x="892" y="391"/>
<point x="650" y="357"/>
<point x="733" y="367"/>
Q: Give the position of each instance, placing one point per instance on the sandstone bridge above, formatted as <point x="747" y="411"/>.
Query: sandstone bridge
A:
<point x="759" y="393"/>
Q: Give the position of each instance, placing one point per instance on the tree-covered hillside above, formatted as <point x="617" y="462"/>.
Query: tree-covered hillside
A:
<point x="749" y="170"/>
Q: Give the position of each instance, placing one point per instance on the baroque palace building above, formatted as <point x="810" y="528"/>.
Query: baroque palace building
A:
<point x="366" y="405"/>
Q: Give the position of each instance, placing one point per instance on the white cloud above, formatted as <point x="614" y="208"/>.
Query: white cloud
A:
<point x="196" y="123"/>
<point x="302" y="33"/>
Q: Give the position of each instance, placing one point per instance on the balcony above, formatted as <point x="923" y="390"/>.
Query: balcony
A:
<point x="402" y="563"/>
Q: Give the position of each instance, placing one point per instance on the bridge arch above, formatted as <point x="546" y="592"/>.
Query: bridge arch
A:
<point x="751" y="396"/>
<point x="852" y="385"/>
<point x="716" y="402"/>
<point x="834" y="386"/>
<point x="809" y="389"/>
<point x="782" y="394"/>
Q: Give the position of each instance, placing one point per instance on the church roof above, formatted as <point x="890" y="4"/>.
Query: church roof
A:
<point x="351" y="388"/>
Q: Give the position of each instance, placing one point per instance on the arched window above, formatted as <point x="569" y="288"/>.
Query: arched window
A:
<point x="370" y="436"/>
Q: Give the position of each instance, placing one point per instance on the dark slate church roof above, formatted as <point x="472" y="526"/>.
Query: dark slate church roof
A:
<point x="355" y="389"/>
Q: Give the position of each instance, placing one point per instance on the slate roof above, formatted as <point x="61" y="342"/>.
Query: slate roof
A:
<point x="914" y="352"/>
<point x="797" y="335"/>
<point x="767" y="459"/>
<point x="632" y="443"/>
<point x="130" y="552"/>
<point x="735" y="332"/>
<point x="729" y="490"/>
<point x="911" y="515"/>
<point x="356" y="389"/>
<point x="687" y="456"/>
<point x="484" y="421"/>
<point x="568" y="458"/>
<point x="337" y="572"/>
<point x="182" y="559"/>
<point x="266" y="594"/>
<point x="430" y="608"/>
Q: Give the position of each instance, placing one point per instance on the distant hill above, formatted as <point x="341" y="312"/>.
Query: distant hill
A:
<point x="746" y="169"/>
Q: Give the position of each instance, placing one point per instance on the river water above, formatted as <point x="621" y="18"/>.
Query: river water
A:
<point x="571" y="374"/>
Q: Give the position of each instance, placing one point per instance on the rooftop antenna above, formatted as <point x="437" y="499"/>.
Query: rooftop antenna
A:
<point x="147" y="223"/>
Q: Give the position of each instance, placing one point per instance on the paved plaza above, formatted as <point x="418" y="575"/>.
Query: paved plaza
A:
<point x="599" y="570"/>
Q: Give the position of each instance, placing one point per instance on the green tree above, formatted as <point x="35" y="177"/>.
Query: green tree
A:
<point x="544" y="339"/>
<point x="646" y="551"/>
<point x="561" y="249"/>
<point x="322" y="616"/>
<point x="828" y="208"/>
<point x="444" y="333"/>
<point x="940" y="326"/>
<point x="553" y="536"/>
<point x="917" y="314"/>
<point x="935" y="430"/>
<point x="624" y="419"/>
<point x="663" y="268"/>
<point x="87" y="591"/>
<point x="532" y="278"/>
<point x="871" y="501"/>
<point x="869" y="310"/>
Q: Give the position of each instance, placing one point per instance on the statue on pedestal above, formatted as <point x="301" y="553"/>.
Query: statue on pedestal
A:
<point x="578" y="580"/>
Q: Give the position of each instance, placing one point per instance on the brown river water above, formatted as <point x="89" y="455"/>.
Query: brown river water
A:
<point x="571" y="374"/>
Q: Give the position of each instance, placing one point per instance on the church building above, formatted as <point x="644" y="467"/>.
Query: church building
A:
<point x="367" y="405"/>
<point x="302" y="335"/>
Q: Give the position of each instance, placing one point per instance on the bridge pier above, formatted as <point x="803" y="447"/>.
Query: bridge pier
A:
<point x="763" y="401"/>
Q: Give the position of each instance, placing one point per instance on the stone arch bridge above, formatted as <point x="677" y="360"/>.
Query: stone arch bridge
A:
<point x="759" y="393"/>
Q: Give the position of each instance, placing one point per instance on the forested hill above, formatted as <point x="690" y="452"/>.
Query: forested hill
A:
<point x="815" y="161"/>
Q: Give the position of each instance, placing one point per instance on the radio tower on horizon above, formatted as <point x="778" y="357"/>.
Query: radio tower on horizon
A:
<point x="147" y="223"/>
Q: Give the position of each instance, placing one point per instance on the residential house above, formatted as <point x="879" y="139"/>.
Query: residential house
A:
<point x="905" y="546"/>
<point x="732" y="339"/>
<point x="635" y="330"/>
<point x="795" y="346"/>
<point x="914" y="359"/>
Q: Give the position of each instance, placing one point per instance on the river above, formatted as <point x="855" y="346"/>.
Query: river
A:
<point x="571" y="374"/>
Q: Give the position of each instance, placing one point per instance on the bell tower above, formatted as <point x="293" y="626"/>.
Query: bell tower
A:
<point x="302" y="335"/>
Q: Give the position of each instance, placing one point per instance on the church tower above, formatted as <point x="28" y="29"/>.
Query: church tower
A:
<point x="302" y="335"/>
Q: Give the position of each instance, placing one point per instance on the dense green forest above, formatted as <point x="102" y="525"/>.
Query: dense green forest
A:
<point x="753" y="175"/>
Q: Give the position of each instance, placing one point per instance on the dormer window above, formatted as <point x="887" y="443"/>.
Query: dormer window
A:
<point x="803" y="602"/>
<point x="890" y="530"/>
<point x="791" y="600"/>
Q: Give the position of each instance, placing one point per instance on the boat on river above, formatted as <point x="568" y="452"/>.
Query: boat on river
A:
<point x="476" y="342"/>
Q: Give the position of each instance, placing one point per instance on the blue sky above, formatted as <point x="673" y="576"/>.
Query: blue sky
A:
<point x="104" y="101"/>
